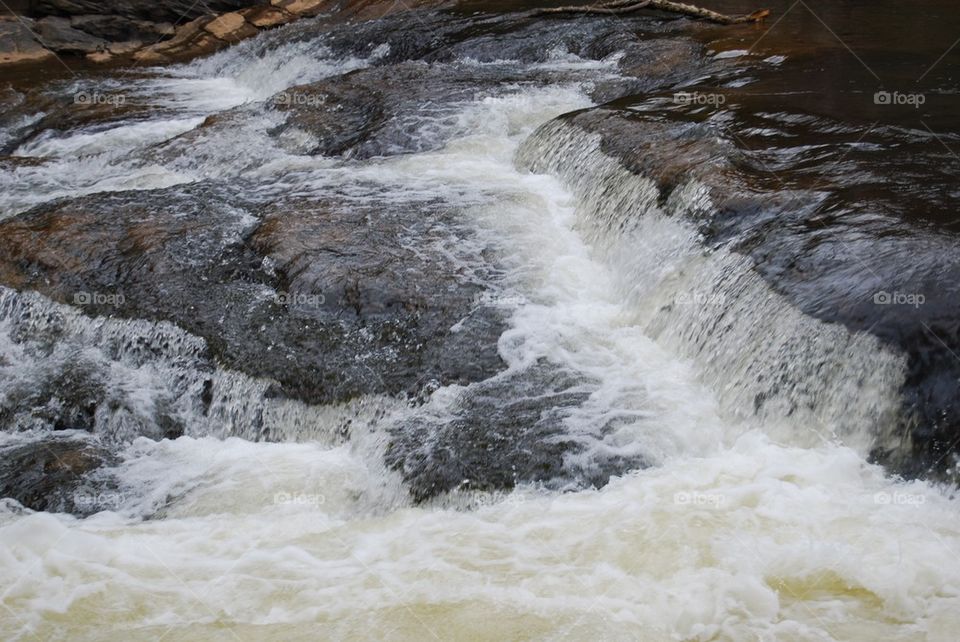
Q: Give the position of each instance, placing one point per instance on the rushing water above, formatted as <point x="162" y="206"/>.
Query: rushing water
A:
<point x="715" y="481"/>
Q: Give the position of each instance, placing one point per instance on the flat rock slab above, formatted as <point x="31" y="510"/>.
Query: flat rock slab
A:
<point x="17" y="43"/>
<point x="169" y="11"/>
<point x="231" y="27"/>
<point x="264" y="17"/>
<point x="328" y="299"/>
<point x="58" y="34"/>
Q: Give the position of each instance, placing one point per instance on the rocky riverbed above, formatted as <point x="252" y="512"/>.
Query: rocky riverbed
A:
<point x="432" y="273"/>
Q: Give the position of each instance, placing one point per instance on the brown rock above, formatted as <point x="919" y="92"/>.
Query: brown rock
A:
<point x="303" y="7"/>
<point x="122" y="48"/>
<point x="151" y="55"/>
<point x="230" y="27"/>
<point x="158" y="28"/>
<point x="17" y="44"/>
<point x="265" y="16"/>
<point x="152" y="10"/>
<point x="200" y="45"/>
<point x="185" y="32"/>
<point x="99" y="56"/>
<point x="189" y="41"/>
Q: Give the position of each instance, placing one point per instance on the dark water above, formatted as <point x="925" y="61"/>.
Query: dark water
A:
<point x="864" y="115"/>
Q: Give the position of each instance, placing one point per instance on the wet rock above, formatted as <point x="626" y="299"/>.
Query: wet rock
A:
<point x="82" y="103"/>
<point x="64" y="398"/>
<point x="339" y="114"/>
<point x="11" y="163"/>
<point x="16" y="120"/>
<point x="172" y="11"/>
<point x="396" y="309"/>
<point x="230" y="27"/>
<point x="189" y="40"/>
<point x="508" y="430"/>
<point x="304" y="7"/>
<point x="121" y="379"/>
<point x="264" y="17"/>
<point x="848" y="261"/>
<point x="116" y="28"/>
<point x="17" y="44"/>
<point x="58" y="35"/>
<point x="58" y="475"/>
<point x="326" y="298"/>
<point x="393" y="109"/>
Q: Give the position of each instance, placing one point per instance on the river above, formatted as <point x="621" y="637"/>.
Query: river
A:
<point x="478" y="326"/>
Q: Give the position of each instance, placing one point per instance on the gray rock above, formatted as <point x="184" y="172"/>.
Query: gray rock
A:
<point x="119" y="29"/>
<point x="18" y="44"/>
<point x="173" y="11"/>
<point x="57" y="34"/>
<point x="58" y="474"/>
<point x="502" y="432"/>
<point x="324" y="297"/>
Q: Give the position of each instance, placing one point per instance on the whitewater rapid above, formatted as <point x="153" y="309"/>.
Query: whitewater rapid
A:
<point x="737" y="528"/>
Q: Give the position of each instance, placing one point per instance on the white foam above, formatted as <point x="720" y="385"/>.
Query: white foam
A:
<point x="757" y="541"/>
<point x="148" y="377"/>
<point x="762" y="357"/>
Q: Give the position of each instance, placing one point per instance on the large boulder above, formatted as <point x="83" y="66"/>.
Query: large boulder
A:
<point x="59" y="35"/>
<point x="120" y="29"/>
<point x="17" y="42"/>
<point x="326" y="298"/>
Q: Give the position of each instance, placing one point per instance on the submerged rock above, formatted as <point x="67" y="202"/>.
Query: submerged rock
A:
<point x="511" y="429"/>
<point x="58" y="475"/>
